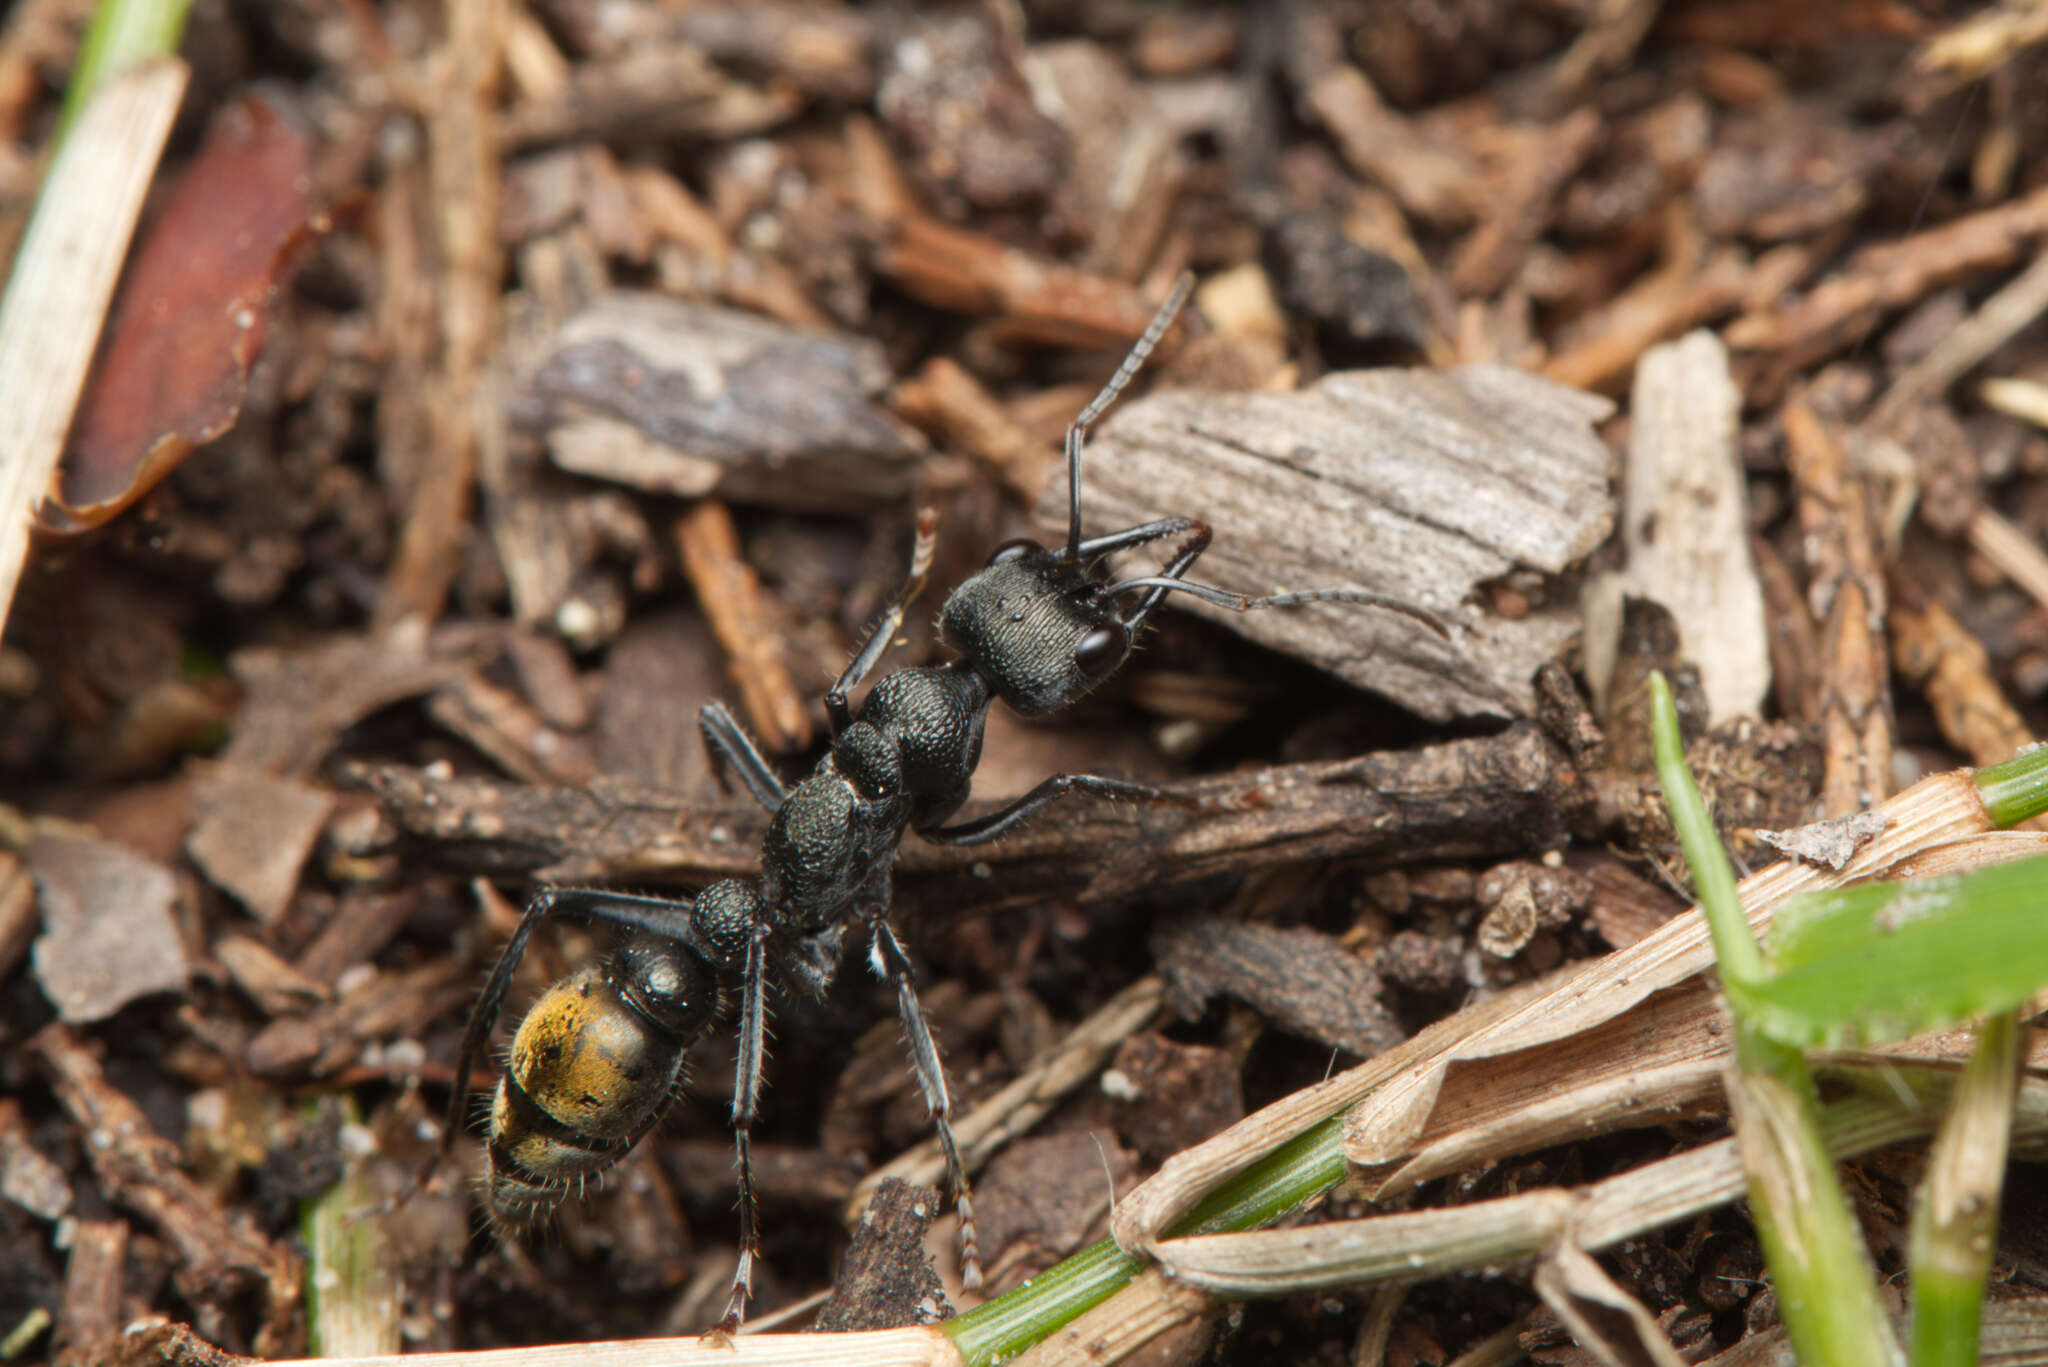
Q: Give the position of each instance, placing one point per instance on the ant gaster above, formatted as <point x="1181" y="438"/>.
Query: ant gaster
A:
<point x="595" y="1062"/>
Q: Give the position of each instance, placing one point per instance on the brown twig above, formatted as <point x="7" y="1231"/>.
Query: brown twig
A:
<point x="1847" y="591"/>
<point x="219" y="1257"/>
<point x="463" y="411"/>
<point x="1515" y="792"/>
<point x="732" y="598"/>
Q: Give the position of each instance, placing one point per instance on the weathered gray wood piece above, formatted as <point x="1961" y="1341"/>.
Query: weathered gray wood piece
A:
<point x="690" y="399"/>
<point x="1421" y="485"/>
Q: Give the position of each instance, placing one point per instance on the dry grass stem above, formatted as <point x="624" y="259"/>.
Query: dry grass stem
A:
<point x="62" y="280"/>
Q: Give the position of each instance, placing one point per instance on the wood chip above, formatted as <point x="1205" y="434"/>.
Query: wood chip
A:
<point x="725" y="400"/>
<point x="1685" y="519"/>
<point x="95" y="1278"/>
<point x="732" y="598"/>
<point x="1302" y="981"/>
<point x="273" y="984"/>
<point x="110" y="931"/>
<point x="1848" y="596"/>
<point x="254" y="833"/>
<point x="1415" y="485"/>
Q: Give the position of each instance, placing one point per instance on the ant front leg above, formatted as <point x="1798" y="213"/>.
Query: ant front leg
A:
<point x="985" y="828"/>
<point x="893" y="965"/>
<point x="730" y="747"/>
<point x="838" y="713"/>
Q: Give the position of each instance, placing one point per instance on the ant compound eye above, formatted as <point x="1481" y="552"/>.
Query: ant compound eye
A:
<point x="1101" y="650"/>
<point x="1014" y="550"/>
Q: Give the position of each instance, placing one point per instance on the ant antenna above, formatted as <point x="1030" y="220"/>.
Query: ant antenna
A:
<point x="1077" y="431"/>
<point x="1240" y="602"/>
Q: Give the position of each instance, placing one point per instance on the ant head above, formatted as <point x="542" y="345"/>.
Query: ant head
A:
<point x="1035" y="627"/>
<point x="1033" y="623"/>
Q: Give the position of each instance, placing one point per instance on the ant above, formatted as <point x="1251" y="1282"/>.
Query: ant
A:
<point x="595" y="1063"/>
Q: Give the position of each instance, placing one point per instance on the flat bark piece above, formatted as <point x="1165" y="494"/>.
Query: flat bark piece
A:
<point x="758" y="411"/>
<point x="1686" y="519"/>
<point x="300" y="699"/>
<point x="1419" y="485"/>
<point x="1303" y="981"/>
<point x="887" y="1279"/>
<point x="254" y="833"/>
<point x="109" y="935"/>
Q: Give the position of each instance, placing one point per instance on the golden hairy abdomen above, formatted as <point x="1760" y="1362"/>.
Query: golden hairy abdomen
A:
<point x="590" y="1061"/>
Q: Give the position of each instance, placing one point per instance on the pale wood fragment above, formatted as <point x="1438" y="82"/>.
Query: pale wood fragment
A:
<point x="1685" y="519"/>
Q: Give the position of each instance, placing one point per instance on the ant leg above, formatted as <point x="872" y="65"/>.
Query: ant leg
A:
<point x="892" y="964"/>
<point x="484" y="1015"/>
<point x="1136" y="536"/>
<point x="883" y="633"/>
<point x="1077" y="430"/>
<point x="746" y="1098"/>
<point x="984" y="828"/>
<point x="730" y="747"/>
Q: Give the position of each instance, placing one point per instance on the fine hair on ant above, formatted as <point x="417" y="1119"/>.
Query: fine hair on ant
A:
<point x="595" y="1062"/>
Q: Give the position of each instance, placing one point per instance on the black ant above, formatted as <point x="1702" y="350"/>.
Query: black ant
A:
<point x="595" y="1062"/>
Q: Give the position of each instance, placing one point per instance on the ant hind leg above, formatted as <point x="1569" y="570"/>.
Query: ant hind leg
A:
<point x="746" y="1099"/>
<point x="892" y="964"/>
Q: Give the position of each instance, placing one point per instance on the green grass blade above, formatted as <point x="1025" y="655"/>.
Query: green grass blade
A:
<point x="1296" y="1172"/>
<point x="122" y="32"/>
<point x="1713" y="877"/>
<point x="2015" y="790"/>
<point x="1886" y="960"/>
<point x="1827" y="1292"/>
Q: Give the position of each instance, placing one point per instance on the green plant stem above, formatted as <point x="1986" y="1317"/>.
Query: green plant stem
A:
<point x="2016" y="789"/>
<point x="1296" y="1172"/>
<point x="1826" y="1286"/>
<point x="1955" y="1214"/>
<point x="1713" y="877"/>
<point x="122" y="32"/>
<point x="1827" y="1292"/>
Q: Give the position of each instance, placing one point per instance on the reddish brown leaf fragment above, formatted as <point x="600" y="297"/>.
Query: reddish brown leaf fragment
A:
<point x="191" y="315"/>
